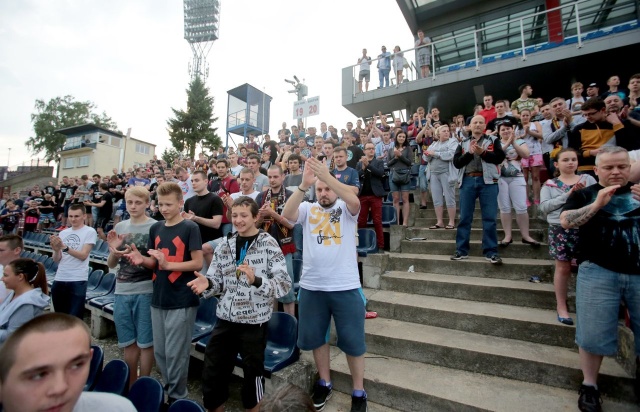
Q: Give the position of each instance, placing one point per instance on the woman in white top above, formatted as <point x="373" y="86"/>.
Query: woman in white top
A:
<point x="443" y="175"/>
<point x="531" y="133"/>
<point x="398" y="64"/>
<point x="512" y="187"/>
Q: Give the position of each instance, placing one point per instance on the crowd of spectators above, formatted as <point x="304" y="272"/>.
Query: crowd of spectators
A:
<point x="496" y="155"/>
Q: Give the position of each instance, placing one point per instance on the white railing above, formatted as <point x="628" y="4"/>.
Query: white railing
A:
<point x="477" y="34"/>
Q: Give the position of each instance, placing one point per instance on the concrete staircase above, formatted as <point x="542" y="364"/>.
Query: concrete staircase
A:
<point x="469" y="335"/>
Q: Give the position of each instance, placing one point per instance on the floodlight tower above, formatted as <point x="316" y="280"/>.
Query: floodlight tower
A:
<point x="201" y="20"/>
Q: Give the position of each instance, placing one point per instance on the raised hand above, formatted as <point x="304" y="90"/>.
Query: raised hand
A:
<point x="308" y="176"/>
<point x="134" y="256"/>
<point x="605" y="195"/>
<point x="199" y="284"/>
<point x="159" y="256"/>
<point x="249" y="272"/>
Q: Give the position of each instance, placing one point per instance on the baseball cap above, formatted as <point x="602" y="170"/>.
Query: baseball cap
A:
<point x="593" y="85"/>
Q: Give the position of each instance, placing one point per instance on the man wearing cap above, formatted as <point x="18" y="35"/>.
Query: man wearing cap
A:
<point x="384" y="67"/>
<point x="592" y="90"/>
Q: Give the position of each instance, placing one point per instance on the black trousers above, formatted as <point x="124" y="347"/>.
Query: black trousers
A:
<point x="227" y="340"/>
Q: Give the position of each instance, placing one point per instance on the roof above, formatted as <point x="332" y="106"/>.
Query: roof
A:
<point x="87" y="127"/>
<point x="90" y="127"/>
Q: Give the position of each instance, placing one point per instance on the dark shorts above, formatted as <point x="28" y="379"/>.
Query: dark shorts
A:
<point x="562" y="243"/>
<point x="102" y="223"/>
<point x="347" y="308"/>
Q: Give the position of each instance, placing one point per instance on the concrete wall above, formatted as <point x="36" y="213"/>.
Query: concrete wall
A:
<point x="23" y="182"/>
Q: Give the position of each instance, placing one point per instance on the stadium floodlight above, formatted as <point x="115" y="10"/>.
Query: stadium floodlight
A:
<point x="201" y="21"/>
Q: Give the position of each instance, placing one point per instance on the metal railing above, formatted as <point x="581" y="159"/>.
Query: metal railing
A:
<point x="587" y="21"/>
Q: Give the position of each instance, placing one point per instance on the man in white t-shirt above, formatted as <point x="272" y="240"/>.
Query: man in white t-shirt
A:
<point x="45" y="365"/>
<point x="184" y="181"/>
<point x="234" y="167"/>
<point x="329" y="285"/>
<point x="71" y="249"/>
<point x="11" y="247"/>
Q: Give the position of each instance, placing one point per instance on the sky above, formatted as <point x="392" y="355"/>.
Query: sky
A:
<point x="131" y="60"/>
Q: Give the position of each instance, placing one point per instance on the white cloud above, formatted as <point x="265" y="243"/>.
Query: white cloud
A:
<point x="130" y="58"/>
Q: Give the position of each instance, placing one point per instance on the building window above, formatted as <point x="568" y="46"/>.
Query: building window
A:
<point x="142" y="148"/>
<point x="115" y="141"/>
<point x="69" y="163"/>
<point x="83" y="161"/>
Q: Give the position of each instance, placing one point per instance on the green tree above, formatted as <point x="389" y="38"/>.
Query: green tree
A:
<point x="170" y="156"/>
<point x="58" y="113"/>
<point x="193" y="127"/>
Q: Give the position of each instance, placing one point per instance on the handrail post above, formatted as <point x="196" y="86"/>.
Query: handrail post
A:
<point x="433" y="61"/>
<point x="578" y="32"/>
<point x="522" y="40"/>
<point x="475" y="46"/>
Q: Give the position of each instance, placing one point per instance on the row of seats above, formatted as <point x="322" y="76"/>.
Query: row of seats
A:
<point x="99" y="252"/>
<point x="146" y="394"/>
<point x="547" y="46"/>
<point x="50" y="266"/>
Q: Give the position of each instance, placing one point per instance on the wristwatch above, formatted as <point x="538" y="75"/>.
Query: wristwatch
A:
<point x="65" y="250"/>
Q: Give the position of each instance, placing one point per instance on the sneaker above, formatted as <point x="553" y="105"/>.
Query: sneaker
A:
<point x="322" y="392"/>
<point x="359" y="403"/>
<point x="494" y="259"/>
<point x="459" y="256"/>
<point x="589" y="400"/>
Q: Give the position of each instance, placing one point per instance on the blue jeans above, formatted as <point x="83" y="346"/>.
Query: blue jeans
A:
<point x="474" y="188"/>
<point x="423" y="183"/>
<point x="383" y="76"/>
<point x="599" y="292"/>
<point x="69" y="297"/>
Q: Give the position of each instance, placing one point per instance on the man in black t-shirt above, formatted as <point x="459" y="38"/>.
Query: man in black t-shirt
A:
<point x="103" y="200"/>
<point x="205" y="209"/>
<point x="67" y="189"/>
<point x="608" y="218"/>
<point x="271" y="147"/>
<point x="501" y="117"/>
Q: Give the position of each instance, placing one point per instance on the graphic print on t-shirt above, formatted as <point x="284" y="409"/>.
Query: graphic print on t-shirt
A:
<point x="73" y="241"/>
<point x="177" y="256"/>
<point x="326" y="224"/>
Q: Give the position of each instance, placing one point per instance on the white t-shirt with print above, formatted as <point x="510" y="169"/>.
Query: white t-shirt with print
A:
<point x="71" y="269"/>
<point x="330" y="260"/>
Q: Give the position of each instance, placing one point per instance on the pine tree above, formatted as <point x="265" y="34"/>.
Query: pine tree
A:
<point x="193" y="127"/>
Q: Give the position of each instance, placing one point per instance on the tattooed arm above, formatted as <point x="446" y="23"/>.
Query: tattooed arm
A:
<point x="571" y="219"/>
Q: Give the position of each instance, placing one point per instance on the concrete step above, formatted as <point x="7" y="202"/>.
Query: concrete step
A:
<point x="512" y="269"/>
<point x="412" y="386"/>
<point x="430" y="212"/>
<point x="341" y="402"/>
<point x="477" y="222"/>
<point x="476" y="233"/>
<point x="447" y="247"/>
<point x="505" y="321"/>
<point x="506" y="358"/>
<point x="507" y="292"/>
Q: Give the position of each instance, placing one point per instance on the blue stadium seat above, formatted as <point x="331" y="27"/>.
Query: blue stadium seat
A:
<point x="570" y="40"/>
<point x="282" y="335"/>
<point x="624" y="27"/>
<point x="95" y="367"/>
<point x="367" y="242"/>
<point x="508" y="55"/>
<point x="94" y="279"/>
<point x="41" y="259"/>
<point x="114" y="378"/>
<point x="389" y="216"/>
<point x="453" y="67"/>
<point x="108" y="308"/>
<point x="488" y="59"/>
<point x="24" y="253"/>
<point x="470" y="64"/>
<point x="27" y="237"/>
<point x="205" y="319"/>
<point x="146" y="394"/>
<point x="185" y="405"/>
<point x="101" y="301"/>
<point x="106" y="286"/>
<point x="202" y="343"/>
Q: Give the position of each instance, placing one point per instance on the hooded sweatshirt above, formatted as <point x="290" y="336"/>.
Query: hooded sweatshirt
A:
<point x="554" y="195"/>
<point x="16" y="312"/>
<point x="241" y="302"/>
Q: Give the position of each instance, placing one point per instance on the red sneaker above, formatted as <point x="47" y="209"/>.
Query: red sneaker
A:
<point x="371" y="315"/>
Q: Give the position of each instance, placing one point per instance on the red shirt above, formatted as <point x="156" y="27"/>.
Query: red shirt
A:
<point x="228" y="185"/>
<point x="488" y="114"/>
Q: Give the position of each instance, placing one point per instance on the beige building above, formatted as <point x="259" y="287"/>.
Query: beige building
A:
<point x="91" y="149"/>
